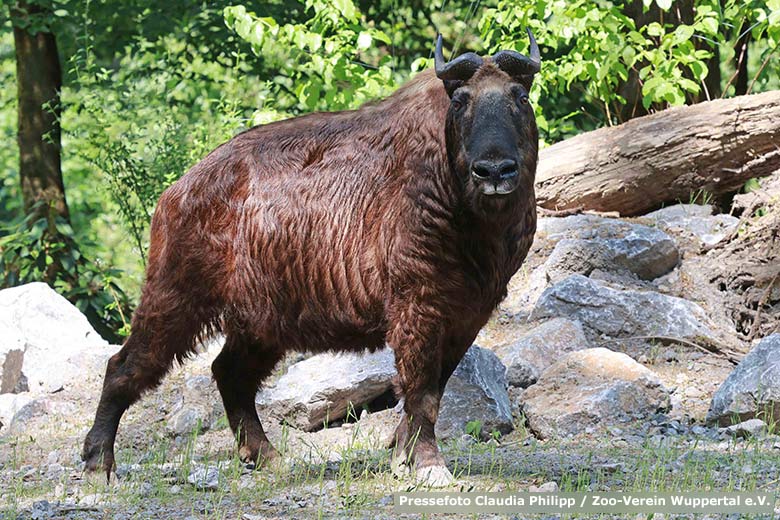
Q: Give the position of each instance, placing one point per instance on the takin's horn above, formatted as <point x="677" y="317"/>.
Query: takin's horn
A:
<point x="515" y="64"/>
<point x="461" y="68"/>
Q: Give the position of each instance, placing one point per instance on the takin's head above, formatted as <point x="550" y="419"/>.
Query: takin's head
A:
<point x="492" y="139"/>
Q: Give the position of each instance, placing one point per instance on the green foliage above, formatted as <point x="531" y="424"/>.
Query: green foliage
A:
<point x="474" y="428"/>
<point x="182" y="107"/>
<point x="44" y="250"/>
<point x="317" y="60"/>
<point x="594" y="48"/>
<point x="150" y="88"/>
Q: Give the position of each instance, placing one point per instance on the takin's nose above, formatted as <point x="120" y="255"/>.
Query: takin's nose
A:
<point x="494" y="171"/>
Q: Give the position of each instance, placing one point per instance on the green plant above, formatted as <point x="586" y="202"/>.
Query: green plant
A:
<point x="319" y="60"/>
<point x="474" y="428"/>
<point x="43" y="249"/>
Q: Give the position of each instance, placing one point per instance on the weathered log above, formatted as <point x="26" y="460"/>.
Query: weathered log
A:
<point x="665" y="157"/>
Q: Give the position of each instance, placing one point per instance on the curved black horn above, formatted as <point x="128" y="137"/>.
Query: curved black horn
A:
<point x="461" y="68"/>
<point x="515" y="64"/>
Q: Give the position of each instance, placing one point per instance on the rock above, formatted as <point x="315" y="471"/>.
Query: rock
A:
<point x="591" y="390"/>
<point x="753" y="387"/>
<point x="528" y="357"/>
<point x="696" y="221"/>
<point x="475" y="392"/>
<point x="42" y="510"/>
<point x="321" y="388"/>
<point x="186" y="419"/>
<point x="644" y="251"/>
<point x="553" y="229"/>
<point x="591" y="246"/>
<point x="749" y="428"/>
<point x="198" y="407"/>
<point x="32" y="408"/>
<point x="92" y="500"/>
<point x="624" y="313"/>
<point x="204" y="477"/>
<point x="547" y="487"/>
<point x="45" y="342"/>
<point x="10" y="404"/>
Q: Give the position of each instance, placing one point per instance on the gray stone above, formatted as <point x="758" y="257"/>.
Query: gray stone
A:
<point x="187" y="419"/>
<point x="322" y="388"/>
<point x="46" y="344"/>
<point x="31" y="409"/>
<point x="204" y="477"/>
<point x="10" y="404"/>
<point x="696" y="221"/>
<point x="643" y="251"/>
<point x="752" y="388"/>
<point x="749" y="428"/>
<point x="592" y="390"/>
<point x="529" y="356"/>
<point x="547" y="487"/>
<point x="624" y="313"/>
<point x="475" y="392"/>
<point x="198" y="407"/>
<point x="591" y="245"/>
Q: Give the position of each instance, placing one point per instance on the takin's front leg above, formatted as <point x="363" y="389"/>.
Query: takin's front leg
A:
<point x="418" y="360"/>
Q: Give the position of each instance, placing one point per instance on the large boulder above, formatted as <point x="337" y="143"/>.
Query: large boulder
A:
<point x="477" y="391"/>
<point x="322" y="388"/>
<point x="587" y="244"/>
<point x="46" y="344"/>
<point x="644" y="252"/>
<point x="624" y="313"/>
<point x="752" y="389"/>
<point x="529" y="356"/>
<point x="695" y="221"/>
<point x="589" y="391"/>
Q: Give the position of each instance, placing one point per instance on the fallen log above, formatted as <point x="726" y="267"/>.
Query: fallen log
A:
<point x="669" y="156"/>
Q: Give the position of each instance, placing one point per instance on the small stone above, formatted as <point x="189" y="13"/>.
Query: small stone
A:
<point x="54" y="471"/>
<point x="186" y="420"/>
<point x="694" y="392"/>
<point x="41" y="510"/>
<point x="206" y="478"/>
<point x="91" y="500"/>
<point x="547" y="487"/>
<point x="746" y="429"/>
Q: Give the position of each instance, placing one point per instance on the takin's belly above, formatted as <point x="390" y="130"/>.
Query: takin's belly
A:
<point x="316" y="309"/>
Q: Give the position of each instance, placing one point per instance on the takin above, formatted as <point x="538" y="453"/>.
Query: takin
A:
<point x="398" y="223"/>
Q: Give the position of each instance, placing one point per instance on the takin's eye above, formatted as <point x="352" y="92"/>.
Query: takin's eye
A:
<point x="521" y="96"/>
<point x="459" y="102"/>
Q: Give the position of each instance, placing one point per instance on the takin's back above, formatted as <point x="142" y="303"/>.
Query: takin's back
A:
<point x="293" y="221"/>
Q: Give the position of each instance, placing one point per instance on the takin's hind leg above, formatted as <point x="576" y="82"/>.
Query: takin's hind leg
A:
<point x="238" y="370"/>
<point x="156" y="340"/>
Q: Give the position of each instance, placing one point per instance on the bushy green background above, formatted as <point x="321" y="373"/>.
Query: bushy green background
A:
<point x="151" y="87"/>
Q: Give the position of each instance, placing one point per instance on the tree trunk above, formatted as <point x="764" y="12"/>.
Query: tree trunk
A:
<point x="39" y="80"/>
<point x="741" y="58"/>
<point x="663" y="158"/>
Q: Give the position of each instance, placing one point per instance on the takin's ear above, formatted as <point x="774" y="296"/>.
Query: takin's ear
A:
<point x="451" y="85"/>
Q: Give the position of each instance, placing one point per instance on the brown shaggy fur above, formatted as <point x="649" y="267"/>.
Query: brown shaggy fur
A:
<point x="331" y="231"/>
